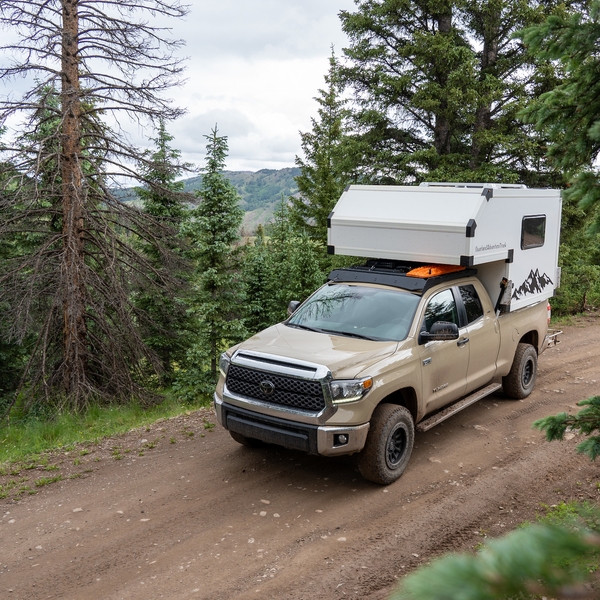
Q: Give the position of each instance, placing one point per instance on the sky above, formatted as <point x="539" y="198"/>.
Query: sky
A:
<point x="254" y="69"/>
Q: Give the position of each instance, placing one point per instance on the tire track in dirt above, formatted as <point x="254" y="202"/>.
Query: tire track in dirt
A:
<point x="325" y="533"/>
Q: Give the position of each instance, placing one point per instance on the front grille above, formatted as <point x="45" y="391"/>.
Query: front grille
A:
<point x="287" y="391"/>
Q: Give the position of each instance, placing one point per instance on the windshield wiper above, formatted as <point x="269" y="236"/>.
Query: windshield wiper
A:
<point x="298" y="326"/>
<point x="348" y="334"/>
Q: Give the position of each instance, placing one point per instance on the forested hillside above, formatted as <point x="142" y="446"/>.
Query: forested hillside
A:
<point x="259" y="191"/>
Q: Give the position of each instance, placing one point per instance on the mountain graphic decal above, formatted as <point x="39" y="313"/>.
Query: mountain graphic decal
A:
<point x="534" y="284"/>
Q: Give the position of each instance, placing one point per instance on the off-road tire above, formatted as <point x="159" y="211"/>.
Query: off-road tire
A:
<point x="519" y="382"/>
<point x="389" y="444"/>
<point x="246" y="441"/>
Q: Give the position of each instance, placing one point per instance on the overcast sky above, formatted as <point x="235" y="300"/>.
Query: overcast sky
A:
<point x="254" y="68"/>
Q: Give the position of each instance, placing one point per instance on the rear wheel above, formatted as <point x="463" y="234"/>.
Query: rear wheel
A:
<point x="519" y="382"/>
<point x="245" y="441"/>
<point x="389" y="444"/>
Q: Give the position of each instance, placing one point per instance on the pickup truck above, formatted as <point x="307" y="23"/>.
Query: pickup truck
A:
<point x="375" y="354"/>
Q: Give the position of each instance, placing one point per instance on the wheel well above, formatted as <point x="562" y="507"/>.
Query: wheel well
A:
<point x="405" y="397"/>
<point x="530" y="338"/>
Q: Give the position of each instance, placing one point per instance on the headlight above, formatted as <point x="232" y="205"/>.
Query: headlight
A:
<point x="224" y="362"/>
<point x="349" y="390"/>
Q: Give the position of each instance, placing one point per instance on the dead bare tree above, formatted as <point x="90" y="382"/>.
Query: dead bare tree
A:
<point x="91" y="64"/>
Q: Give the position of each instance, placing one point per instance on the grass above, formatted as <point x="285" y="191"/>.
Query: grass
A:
<point x="575" y="515"/>
<point x="22" y="440"/>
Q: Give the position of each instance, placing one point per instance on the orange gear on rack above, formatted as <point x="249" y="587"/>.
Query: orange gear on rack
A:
<point x="434" y="271"/>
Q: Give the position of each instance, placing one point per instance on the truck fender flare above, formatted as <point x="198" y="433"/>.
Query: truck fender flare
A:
<point x="406" y="397"/>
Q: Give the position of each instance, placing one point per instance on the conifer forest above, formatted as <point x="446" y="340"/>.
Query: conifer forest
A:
<point x="109" y="301"/>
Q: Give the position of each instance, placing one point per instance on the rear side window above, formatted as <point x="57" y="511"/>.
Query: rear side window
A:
<point x="533" y="232"/>
<point x="472" y="302"/>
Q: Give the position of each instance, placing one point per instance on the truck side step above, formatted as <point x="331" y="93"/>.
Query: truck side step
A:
<point x="458" y="406"/>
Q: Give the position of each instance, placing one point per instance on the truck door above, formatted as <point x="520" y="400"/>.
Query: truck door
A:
<point x="483" y="335"/>
<point x="443" y="364"/>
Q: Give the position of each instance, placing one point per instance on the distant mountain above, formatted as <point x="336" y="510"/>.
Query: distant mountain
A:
<point x="259" y="191"/>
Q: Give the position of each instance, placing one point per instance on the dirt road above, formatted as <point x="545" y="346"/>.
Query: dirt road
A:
<point x="182" y="511"/>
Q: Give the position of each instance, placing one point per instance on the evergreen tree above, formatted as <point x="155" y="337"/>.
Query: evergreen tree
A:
<point x="213" y="232"/>
<point x="324" y="168"/>
<point x="166" y="321"/>
<point x="437" y="86"/>
<point x="85" y="61"/>
<point x="569" y="113"/>
<point x="259" y="284"/>
<point x="294" y="258"/>
<point x="547" y="560"/>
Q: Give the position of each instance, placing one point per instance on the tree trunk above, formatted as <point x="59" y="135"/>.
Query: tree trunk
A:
<point x="441" y="132"/>
<point x="489" y="58"/>
<point x="74" y="365"/>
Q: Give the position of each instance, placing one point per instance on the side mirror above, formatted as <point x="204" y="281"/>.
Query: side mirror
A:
<point x="292" y="306"/>
<point x="440" y="331"/>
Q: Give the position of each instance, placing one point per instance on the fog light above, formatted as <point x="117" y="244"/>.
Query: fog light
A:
<point x="340" y="439"/>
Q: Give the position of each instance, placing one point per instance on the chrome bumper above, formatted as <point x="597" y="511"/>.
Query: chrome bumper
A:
<point x="326" y="442"/>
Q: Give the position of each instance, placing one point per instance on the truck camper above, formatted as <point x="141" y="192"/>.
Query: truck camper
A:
<point x="449" y="306"/>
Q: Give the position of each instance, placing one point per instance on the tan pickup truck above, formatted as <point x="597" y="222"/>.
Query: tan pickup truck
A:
<point x="451" y="308"/>
<point x="373" y="355"/>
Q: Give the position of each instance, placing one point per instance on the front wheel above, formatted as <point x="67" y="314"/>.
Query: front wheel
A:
<point x="519" y="382"/>
<point x="389" y="444"/>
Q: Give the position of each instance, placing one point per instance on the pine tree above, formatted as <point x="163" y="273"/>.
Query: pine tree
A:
<point x="86" y="61"/>
<point x="259" y="284"/>
<point x="437" y="86"/>
<point x="547" y="560"/>
<point x="213" y="232"/>
<point x="324" y="168"/>
<point x="166" y="322"/>
<point x="296" y="272"/>
<point x="569" y="112"/>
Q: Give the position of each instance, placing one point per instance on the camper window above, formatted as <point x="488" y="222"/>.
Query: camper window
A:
<point x="533" y="232"/>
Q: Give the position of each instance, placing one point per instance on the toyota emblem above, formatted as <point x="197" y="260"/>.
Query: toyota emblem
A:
<point x="267" y="388"/>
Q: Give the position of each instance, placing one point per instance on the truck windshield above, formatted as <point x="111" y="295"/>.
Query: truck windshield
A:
<point x="357" y="311"/>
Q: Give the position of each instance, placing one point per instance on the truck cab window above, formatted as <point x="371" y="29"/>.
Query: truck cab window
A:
<point x="472" y="303"/>
<point x="441" y="307"/>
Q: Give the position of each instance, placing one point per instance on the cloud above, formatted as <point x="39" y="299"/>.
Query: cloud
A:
<point x="190" y="130"/>
<point x="261" y="28"/>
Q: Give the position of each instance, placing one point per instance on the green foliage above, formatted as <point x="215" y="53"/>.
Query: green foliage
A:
<point x="324" y="170"/>
<point x="26" y="438"/>
<point x="284" y="268"/>
<point x="294" y="258"/>
<point x="569" y="112"/>
<point x="579" y="259"/>
<point x="166" y="324"/>
<point x="437" y="87"/>
<point x="538" y="560"/>
<point x="586" y="421"/>
<point x="216" y="301"/>
<point x="259" y="284"/>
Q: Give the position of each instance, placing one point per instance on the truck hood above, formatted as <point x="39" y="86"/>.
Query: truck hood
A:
<point x="344" y="356"/>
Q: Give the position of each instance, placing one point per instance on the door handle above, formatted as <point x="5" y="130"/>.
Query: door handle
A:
<point x="462" y="342"/>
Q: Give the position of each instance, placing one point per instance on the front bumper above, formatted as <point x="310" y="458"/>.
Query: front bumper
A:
<point x="314" y="439"/>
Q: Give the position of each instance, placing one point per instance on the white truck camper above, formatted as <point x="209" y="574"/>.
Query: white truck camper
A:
<point x="505" y="231"/>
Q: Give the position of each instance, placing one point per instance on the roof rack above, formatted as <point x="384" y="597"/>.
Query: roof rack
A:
<point x="495" y="186"/>
<point x="394" y="274"/>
